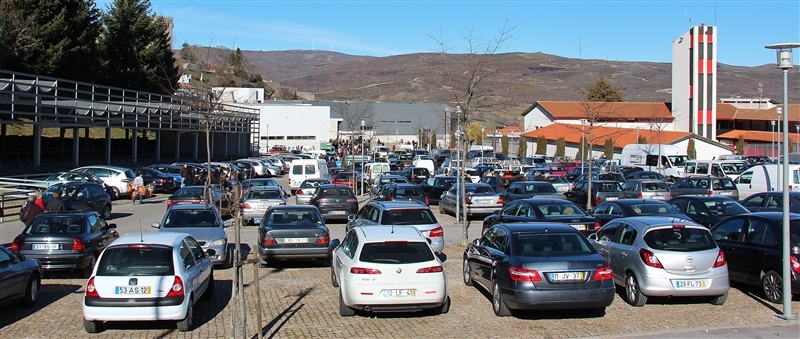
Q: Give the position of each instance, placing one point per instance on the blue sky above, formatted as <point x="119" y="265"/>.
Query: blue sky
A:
<point x="610" y="30"/>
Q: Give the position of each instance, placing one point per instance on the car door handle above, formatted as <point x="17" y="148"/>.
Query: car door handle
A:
<point x="623" y="254"/>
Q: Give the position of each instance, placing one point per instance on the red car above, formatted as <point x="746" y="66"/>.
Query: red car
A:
<point x="558" y="170"/>
<point x="346" y="178"/>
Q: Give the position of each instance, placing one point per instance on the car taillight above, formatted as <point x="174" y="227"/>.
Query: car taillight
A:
<point x="15" y="245"/>
<point x="268" y="241"/>
<point x="519" y="274"/>
<point x="427" y="202"/>
<point x="391" y="198"/>
<point x="177" y="288"/>
<point x="362" y="270"/>
<point x="352" y="200"/>
<point x="597" y="200"/>
<point x="91" y="290"/>
<point x="437" y="232"/>
<point x="603" y="273"/>
<point x="78" y="245"/>
<point x="325" y="239"/>
<point x="163" y="181"/>
<point x="299" y="191"/>
<point x="169" y="203"/>
<point x="290" y="181"/>
<point x="792" y="262"/>
<point x="246" y="205"/>
<point x="597" y="226"/>
<point x="650" y="259"/>
<point x="282" y="203"/>
<point x="500" y="200"/>
<point x="467" y="201"/>
<point x="721" y="262"/>
<point x="671" y="195"/>
<point x="323" y="200"/>
<point x="710" y="192"/>
<point x="640" y="195"/>
<point x="432" y="269"/>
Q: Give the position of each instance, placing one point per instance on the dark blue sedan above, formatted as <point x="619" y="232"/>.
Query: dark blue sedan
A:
<point x="20" y="278"/>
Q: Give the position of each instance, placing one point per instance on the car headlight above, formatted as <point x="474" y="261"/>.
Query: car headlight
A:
<point x="218" y="242"/>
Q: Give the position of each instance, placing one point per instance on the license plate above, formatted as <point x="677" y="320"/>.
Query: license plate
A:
<point x="46" y="246"/>
<point x="579" y="227"/>
<point x="611" y="198"/>
<point x="257" y="221"/>
<point x="725" y="193"/>
<point x="337" y="212"/>
<point x="399" y="293"/>
<point x="132" y="290"/>
<point x="657" y="197"/>
<point x="688" y="284"/>
<point x="295" y="240"/>
<point x="565" y="276"/>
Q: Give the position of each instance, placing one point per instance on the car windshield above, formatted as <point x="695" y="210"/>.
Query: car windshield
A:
<point x="678" y="160"/>
<point x="734" y="168"/>
<point x="55" y="225"/>
<point x="292" y="218"/>
<point x="680" y="239"/>
<point x="396" y="252"/>
<point x="477" y="190"/>
<point x="549" y="244"/>
<point x="136" y="260"/>
<point x="725" y="207"/>
<point x="344" y="176"/>
<point x="191" y="218"/>
<point x="648" y="175"/>
<point x="67" y="191"/>
<point x="648" y="209"/>
<point x="335" y="192"/>
<point x="408" y="216"/>
<point x="534" y="188"/>
<point x="264" y="194"/>
<point x="561" y="209"/>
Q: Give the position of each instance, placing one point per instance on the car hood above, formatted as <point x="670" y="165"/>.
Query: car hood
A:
<point x="201" y="234"/>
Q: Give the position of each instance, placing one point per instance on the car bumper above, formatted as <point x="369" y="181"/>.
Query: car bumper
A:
<point x="127" y="310"/>
<point x="302" y="200"/>
<point x="657" y="284"/>
<point x="427" y="296"/>
<point x="61" y="261"/>
<point x="267" y="254"/>
<point x="248" y="215"/>
<point x="482" y="210"/>
<point x="560" y="299"/>
<point x="221" y="256"/>
<point x="337" y="213"/>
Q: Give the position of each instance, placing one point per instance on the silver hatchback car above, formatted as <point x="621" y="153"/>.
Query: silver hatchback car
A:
<point x="304" y="194"/>
<point x="663" y="257"/>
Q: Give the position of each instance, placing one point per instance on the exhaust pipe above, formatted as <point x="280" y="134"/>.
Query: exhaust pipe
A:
<point x="367" y="308"/>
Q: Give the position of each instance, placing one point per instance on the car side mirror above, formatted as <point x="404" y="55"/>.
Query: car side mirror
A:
<point x="335" y="243"/>
<point x="351" y="217"/>
<point x="211" y="252"/>
<point x="20" y="257"/>
<point x="155" y="225"/>
<point x="112" y="225"/>
<point x="226" y="224"/>
<point x="593" y="236"/>
<point x="476" y="242"/>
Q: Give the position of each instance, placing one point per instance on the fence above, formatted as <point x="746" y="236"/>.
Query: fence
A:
<point x="15" y="190"/>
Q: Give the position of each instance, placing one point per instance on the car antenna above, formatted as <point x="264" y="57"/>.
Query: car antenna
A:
<point x="141" y="233"/>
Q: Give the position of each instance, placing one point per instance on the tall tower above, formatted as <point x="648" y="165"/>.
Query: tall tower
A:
<point x="694" y="81"/>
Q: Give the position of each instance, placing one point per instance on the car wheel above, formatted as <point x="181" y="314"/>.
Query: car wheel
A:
<point x="31" y="292"/>
<point x="92" y="326"/>
<point x="772" y="284"/>
<point x="115" y="193"/>
<point x="107" y="212"/>
<point x="333" y="279"/>
<point x="719" y="300"/>
<point x="498" y="305"/>
<point x="187" y="323"/>
<point x="87" y="271"/>
<point x="209" y="293"/>
<point x="467" y="273"/>
<point x="151" y="187"/>
<point x="445" y="307"/>
<point x="441" y="208"/>
<point x="633" y="295"/>
<point x="229" y="257"/>
<point x="343" y="309"/>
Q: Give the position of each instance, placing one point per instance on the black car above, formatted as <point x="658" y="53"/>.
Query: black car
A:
<point x="543" y="210"/>
<point x="578" y="170"/>
<point x="707" y="210"/>
<point x="416" y="174"/>
<point x="401" y="192"/>
<point x="156" y="180"/>
<point x="199" y="195"/>
<point x="435" y="187"/>
<point x="65" y="240"/>
<point x="291" y="232"/>
<point x="335" y="201"/>
<point x="20" y="278"/>
<point x="646" y="175"/>
<point x="753" y="248"/>
<point x="541" y="266"/>
<point x="624" y="208"/>
<point x="81" y="196"/>
<point x="771" y="202"/>
<point x="602" y="190"/>
<point x="530" y="189"/>
<point x="625" y="170"/>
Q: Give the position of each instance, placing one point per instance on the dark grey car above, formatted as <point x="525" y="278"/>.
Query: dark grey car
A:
<point x="697" y="185"/>
<point x="292" y="232"/>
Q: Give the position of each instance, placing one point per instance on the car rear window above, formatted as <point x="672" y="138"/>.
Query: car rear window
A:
<point x="312" y="183"/>
<point x="297" y="169"/>
<point x="336" y="192"/>
<point x="408" y="216"/>
<point x="400" y="252"/>
<point x="723" y="184"/>
<point x="551" y="243"/>
<point x="292" y="218"/>
<point x="421" y="171"/>
<point x="546" y="188"/>
<point x="689" y="239"/>
<point x="648" y="209"/>
<point x="138" y="261"/>
<point x="409" y="192"/>
<point x="191" y="218"/>
<point x="561" y="209"/>
<point x="479" y="190"/>
<point x="654" y="187"/>
<point x="188" y="192"/>
<point x="725" y="207"/>
<point x="56" y="225"/>
<point x="264" y="194"/>
<point x="344" y="176"/>
<point x="608" y="187"/>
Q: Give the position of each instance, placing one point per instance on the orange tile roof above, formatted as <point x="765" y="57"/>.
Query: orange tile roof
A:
<point x="729" y="112"/>
<point x="608" y="111"/>
<point x="755" y="136"/>
<point x="621" y="136"/>
<point x="726" y="112"/>
<point x="510" y="129"/>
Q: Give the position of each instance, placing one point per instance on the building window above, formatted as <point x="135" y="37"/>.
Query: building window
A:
<point x="701" y="50"/>
<point x="700" y="98"/>
<point x="301" y="137"/>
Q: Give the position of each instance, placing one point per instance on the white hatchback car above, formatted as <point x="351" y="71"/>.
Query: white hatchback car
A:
<point x="148" y="277"/>
<point x="388" y="269"/>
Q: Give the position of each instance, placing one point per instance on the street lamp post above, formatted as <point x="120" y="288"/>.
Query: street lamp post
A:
<point x="779" y="111"/>
<point x="784" y="53"/>
<point x="796" y="139"/>
<point x="362" y="158"/>
<point x="459" y="133"/>
<point x="583" y="141"/>
<point x="773" y="138"/>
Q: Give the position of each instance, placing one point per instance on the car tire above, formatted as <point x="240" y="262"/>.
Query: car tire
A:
<point x="719" y="300"/>
<point x="597" y="311"/>
<point x="441" y="209"/>
<point x="772" y="285"/>
<point x="87" y="271"/>
<point x="498" y="305"/>
<point x="92" y="326"/>
<point x="343" y="309"/>
<point x="229" y="258"/>
<point x="445" y="307"/>
<point x="633" y="295"/>
<point x="116" y="195"/>
<point x="187" y="324"/>
<point x="107" y="212"/>
<point x="209" y="293"/>
<point x="31" y="291"/>
<point x="333" y="279"/>
<point x="467" y="273"/>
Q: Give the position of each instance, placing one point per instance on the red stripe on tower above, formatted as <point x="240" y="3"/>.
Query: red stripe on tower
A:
<point x="709" y="68"/>
<point x="700" y="64"/>
<point x="708" y="116"/>
<point x="701" y="37"/>
<point x="691" y="91"/>
<point x="700" y="116"/>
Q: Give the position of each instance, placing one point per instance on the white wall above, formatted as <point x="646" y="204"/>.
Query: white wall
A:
<point x="536" y="118"/>
<point x="680" y="82"/>
<point x="238" y="95"/>
<point x="282" y="120"/>
<point x="705" y="150"/>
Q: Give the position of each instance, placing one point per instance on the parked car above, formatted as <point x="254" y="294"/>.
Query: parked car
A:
<point x="293" y="232"/>
<point x="625" y="170"/>
<point x="573" y="173"/>
<point x="559" y="182"/>
<point x="65" y="240"/>
<point x="530" y="189"/>
<point x="662" y="257"/>
<point x="65" y="177"/>
<point x="376" y="213"/>
<point x="646" y="175"/>
<point x="416" y="174"/>
<point x="697" y="185"/>
<point x="624" y="208"/>
<point x="435" y="187"/>
<point x="259" y="182"/>
<point x="351" y="179"/>
<point x="615" y="176"/>
<point x="480" y="199"/>
<point x="753" y="246"/>
<point x="156" y="181"/>
<point x="384" y="179"/>
<point x="81" y="196"/>
<point x="543" y="266"/>
<point x="199" y="195"/>
<point x="401" y="192"/>
<point x="335" y="201"/>
<point x="303" y="194"/>
<point x="602" y="190"/>
<point x="173" y="171"/>
<point x="543" y="210"/>
<point x="772" y="202"/>
<point x="115" y="177"/>
<point x="707" y="210"/>
<point x="204" y="223"/>
<point x="258" y="200"/>
<point x="386" y="269"/>
<point x="148" y="277"/>
<point x="646" y="189"/>
<point x="20" y="279"/>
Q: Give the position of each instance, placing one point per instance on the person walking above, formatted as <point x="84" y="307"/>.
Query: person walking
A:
<point x="186" y="174"/>
<point x="138" y="186"/>
<point x="31" y="210"/>
<point x="56" y="204"/>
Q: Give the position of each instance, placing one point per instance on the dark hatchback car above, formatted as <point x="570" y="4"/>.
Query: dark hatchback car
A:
<point x="65" y="241"/>
<point x="540" y="266"/>
<point x="416" y="174"/>
<point x="707" y="210"/>
<point x="156" y="180"/>
<point x="20" y="278"/>
<point x="195" y="195"/>
<point x="81" y="196"/>
<point x="436" y="186"/>
<point x="624" y="208"/>
<point x="601" y="191"/>
<point x="530" y="189"/>
<point x="771" y="202"/>
<point x="335" y="201"/>
<point x="402" y="192"/>
<point x="753" y="247"/>
<point x="543" y="210"/>
<point x="292" y="232"/>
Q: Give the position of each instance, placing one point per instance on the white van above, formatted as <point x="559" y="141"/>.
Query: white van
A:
<point x="374" y="169"/>
<point x="764" y="178"/>
<point x="302" y="169"/>
<point x="673" y="158"/>
<point x="426" y="163"/>
<point x="717" y="168"/>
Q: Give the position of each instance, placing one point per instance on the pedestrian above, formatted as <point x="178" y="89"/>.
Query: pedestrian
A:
<point x="499" y="182"/>
<point x="186" y="173"/>
<point x="56" y="204"/>
<point x="138" y="187"/>
<point x="31" y="210"/>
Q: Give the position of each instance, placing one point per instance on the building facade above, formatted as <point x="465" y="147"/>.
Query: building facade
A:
<point x="694" y="81"/>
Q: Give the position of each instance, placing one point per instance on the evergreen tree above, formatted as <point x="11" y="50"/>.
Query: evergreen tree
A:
<point x="522" y="151"/>
<point x="642" y="140"/>
<point x="608" y="148"/>
<point x="561" y="146"/>
<point x="740" y="145"/>
<point x="135" y="49"/>
<point x="583" y="146"/>
<point x="504" y="143"/>
<point x="433" y="140"/>
<point x="604" y="91"/>
<point x="690" y="150"/>
<point x="541" y="144"/>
